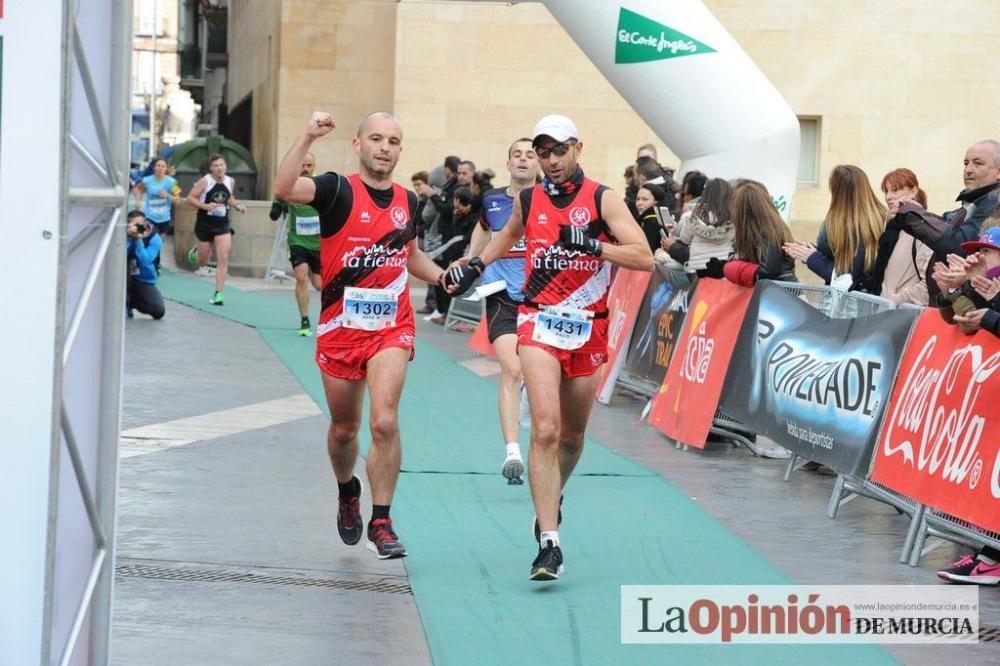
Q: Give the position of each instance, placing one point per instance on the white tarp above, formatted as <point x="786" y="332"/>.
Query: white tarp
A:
<point x="690" y="81"/>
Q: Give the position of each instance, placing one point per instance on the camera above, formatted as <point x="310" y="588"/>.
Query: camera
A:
<point x="141" y="227"/>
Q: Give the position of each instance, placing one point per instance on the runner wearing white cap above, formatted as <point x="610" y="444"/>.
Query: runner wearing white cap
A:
<point x="573" y="233"/>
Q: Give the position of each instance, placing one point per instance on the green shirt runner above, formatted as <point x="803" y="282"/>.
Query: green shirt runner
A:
<point x="303" y="225"/>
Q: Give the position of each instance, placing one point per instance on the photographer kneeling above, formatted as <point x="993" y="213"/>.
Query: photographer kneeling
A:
<point x="143" y="248"/>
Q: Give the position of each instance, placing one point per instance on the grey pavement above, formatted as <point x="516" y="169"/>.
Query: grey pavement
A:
<point x="227" y="549"/>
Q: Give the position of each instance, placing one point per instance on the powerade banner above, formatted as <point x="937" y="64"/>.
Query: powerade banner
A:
<point x="685" y="406"/>
<point x="626" y="294"/>
<point x="940" y="442"/>
<point x="815" y="385"/>
<point x="658" y="326"/>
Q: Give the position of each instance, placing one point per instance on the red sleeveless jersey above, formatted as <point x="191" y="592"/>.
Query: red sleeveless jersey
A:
<point x="555" y="275"/>
<point x="370" y="251"/>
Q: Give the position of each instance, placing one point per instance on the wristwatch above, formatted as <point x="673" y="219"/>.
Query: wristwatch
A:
<point x="478" y="264"/>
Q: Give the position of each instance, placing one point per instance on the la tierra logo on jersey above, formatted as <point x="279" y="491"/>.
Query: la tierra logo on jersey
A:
<point x="579" y="216"/>
<point x="640" y="39"/>
<point x="399" y="217"/>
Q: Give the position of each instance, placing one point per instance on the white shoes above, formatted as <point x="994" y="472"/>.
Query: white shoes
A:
<point x="513" y="470"/>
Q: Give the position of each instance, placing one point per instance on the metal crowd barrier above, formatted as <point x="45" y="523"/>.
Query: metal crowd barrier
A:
<point x="463" y="311"/>
<point x="932" y="522"/>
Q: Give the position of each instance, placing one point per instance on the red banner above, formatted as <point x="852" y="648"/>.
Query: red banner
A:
<point x="623" y="306"/>
<point x="940" y="442"/>
<point x="685" y="406"/>
<point x="480" y="340"/>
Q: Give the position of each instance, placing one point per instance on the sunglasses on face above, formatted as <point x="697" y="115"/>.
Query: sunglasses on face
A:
<point x="558" y="150"/>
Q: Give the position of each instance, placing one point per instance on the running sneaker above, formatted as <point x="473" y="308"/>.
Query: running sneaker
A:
<point x="349" y="522"/>
<point x="383" y="541"/>
<point x="192" y="255"/>
<point x="513" y="469"/>
<point x="538" y="531"/>
<point x="216" y="299"/>
<point x="305" y="331"/>
<point x="972" y="570"/>
<point x="549" y="563"/>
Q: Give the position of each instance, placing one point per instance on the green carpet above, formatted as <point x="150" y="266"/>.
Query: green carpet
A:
<point x="468" y="533"/>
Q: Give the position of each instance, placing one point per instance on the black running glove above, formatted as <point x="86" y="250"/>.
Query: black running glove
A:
<point x="574" y="238"/>
<point x="463" y="276"/>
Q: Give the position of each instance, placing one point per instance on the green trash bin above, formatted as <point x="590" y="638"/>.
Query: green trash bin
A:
<point x="188" y="160"/>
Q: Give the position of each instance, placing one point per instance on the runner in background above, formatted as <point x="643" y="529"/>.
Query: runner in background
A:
<point x="501" y="307"/>
<point x="303" y="246"/>
<point x="366" y="329"/>
<point x="156" y="195"/>
<point x="213" y="196"/>
<point x="573" y="234"/>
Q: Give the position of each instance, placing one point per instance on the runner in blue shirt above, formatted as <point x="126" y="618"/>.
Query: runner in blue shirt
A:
<point x="157" y="193"/>
<point x="501" y="307"/>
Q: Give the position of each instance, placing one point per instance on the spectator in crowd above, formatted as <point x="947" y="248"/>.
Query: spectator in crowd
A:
<point x="902" y="260"/>
<point x="976" y="280"/>
<point x="848" y="240"/>
<point x="466" y="177"/>
<point x="419" y="180"/>
<point x="691" y="188"/>
<point x="647" y="199"/>
<point x="759" y="235"/>
<point x="456" y="237"/>
<point x="709" y="232"/>
<point x="979" y="199"/>
<point x="438" y="217"/>
<point x="427" y="232"/>
<point x="630" y="180"/>
<point x="968" y="296"/>
<point x="143" y="247"/>
<point x="648" y="170"/>
<point x="482" y="182"/>
<point x="646" y="150"/>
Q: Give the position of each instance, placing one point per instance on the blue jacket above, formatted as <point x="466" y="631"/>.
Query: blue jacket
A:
<point x="141" y="255"/>
<point x="821" y="263"/>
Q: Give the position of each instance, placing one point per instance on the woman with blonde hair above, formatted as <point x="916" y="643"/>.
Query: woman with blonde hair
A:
<point x="847" y="244"/>
<point x="759" y="234"/>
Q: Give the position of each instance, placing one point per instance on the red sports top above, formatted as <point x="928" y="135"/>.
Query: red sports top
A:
<point x="555" y="275"/>
<point x="370" y="251"/>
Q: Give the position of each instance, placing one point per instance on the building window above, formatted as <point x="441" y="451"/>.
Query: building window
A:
<point x="147" y="22"/>
<point x="809" y="150"/>
<point x="142" y="76"/>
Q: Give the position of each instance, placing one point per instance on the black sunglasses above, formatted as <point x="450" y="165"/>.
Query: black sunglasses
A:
<point x="558" y="150"/>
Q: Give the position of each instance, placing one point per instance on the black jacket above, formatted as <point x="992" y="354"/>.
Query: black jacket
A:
<point x="946" y="234"/>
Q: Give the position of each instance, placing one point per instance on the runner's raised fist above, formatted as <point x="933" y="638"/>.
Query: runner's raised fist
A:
<point x="320" y="124"/>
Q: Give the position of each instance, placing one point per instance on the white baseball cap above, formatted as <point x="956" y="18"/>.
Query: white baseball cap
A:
<point x="558" y="127"/>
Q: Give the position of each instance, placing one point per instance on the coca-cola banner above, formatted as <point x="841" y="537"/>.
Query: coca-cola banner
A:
<point x="658" y="326"/>
<point x="815" y="385"/>
<point x="685" y="405"/>
<point x="940" y="443"/>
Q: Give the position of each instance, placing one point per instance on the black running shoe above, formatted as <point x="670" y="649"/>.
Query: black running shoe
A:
<point x="538" y="530"/>
<point x="349" y="522"/>
<point x="549" y="563"/>
<point x="383" y="541"/>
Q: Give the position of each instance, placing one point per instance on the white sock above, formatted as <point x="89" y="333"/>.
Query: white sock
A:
<point x="552" y="536"/>
<point x="513" y="449"/>
<point x="986" y="560"/>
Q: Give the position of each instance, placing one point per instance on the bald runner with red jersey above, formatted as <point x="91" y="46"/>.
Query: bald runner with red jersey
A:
<point x="366" y="328"/>
<point x="574" y="229"/>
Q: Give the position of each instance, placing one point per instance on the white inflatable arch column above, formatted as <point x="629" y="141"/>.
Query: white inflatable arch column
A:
<point x="690" y="81"/>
